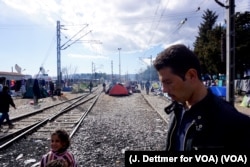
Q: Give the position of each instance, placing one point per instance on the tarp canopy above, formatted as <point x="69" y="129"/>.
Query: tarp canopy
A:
<point x="219" y="90"/>
<point x="246" y="101"/>
<point x="118" y="90"/>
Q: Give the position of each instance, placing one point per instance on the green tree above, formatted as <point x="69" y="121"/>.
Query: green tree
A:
<point x="207" y="42"/>
<point x="242" y="42"/>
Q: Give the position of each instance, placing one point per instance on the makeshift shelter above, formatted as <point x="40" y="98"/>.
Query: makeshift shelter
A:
<point x="29" y="89"/>
<point x="118" y="90"/>
<point x="246" y="101"/>
<point x="219" y="90"/>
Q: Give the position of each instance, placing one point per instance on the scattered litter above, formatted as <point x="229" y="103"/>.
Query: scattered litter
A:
<point x="38" y="141"/>
<point x="19" y="156"/>
<point x="125" y="149"/>
<point x="29" y="161"/>
<point x="36" y="164"/>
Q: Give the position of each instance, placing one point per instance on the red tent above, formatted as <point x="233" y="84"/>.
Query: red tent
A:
<point x="118" y="90"/>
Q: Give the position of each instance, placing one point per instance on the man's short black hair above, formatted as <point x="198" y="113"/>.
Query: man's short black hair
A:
<point x="179" y="58"/>
<point x="5" y="89"/>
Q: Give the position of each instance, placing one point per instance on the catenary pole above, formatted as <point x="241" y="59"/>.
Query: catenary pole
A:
<point x="119" y="65"/>
<point x="230" y="47"/>
<point x="59" y="74"/>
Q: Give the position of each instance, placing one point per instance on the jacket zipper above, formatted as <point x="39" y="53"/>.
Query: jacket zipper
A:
<point x="170" y="137"/>
<point x="184" y="141"/>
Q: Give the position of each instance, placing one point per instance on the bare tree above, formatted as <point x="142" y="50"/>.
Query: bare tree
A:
<point x="68" y="74"/>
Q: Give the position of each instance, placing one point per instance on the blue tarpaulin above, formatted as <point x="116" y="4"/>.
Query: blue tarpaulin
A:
<point x="219" y="90"/>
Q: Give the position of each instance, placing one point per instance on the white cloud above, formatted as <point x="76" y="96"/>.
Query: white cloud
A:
<point x="90" y="57"/>
<point x="135" y="25"/>
<point x="140" y="28"/>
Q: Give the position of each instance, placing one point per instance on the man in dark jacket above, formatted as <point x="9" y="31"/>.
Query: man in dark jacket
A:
<point x="147" y="86"/>
<point x="5" y="101"/>
<point x="90" y="86"/>
<point x="200" y="120"/>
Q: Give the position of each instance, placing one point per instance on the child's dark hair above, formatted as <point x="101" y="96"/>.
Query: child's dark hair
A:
<point x="63" y="136"/>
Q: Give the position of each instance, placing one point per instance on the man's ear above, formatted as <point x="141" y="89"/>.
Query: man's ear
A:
<point x="191" y="74"/>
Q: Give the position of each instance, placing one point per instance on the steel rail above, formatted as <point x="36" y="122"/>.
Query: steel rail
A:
<point x="21" y="133"/>
<point x="83" y="116"/>
<point x="42" y="109"/>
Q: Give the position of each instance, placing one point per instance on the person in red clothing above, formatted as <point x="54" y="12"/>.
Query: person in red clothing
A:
<point x="60" y="143"/>
<point x="5" y="102"/>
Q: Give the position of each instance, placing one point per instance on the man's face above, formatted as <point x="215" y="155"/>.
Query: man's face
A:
<point x="176" y="88"/>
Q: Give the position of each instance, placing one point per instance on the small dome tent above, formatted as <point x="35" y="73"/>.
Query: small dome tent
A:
<point x="118" y="90"/>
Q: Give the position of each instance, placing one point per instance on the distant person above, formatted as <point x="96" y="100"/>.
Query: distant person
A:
<point x="104" y="87"/>
<point x="51" y="88"/>
<point x="90" y="86"/>
<point x="23" y="89"/>
<point x="60" y="143"/>
<point x="200" y="120"/>
<point x="147" y="86"/>
<point x="142" y="85"/>
<point x="36" y="92"/>
<point x="5" y="102"/>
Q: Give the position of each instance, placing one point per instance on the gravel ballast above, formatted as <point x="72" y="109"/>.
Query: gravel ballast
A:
<point x="114" y="125"/>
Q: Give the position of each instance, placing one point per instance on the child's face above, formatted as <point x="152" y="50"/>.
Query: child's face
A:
<point x="56" y="144"/>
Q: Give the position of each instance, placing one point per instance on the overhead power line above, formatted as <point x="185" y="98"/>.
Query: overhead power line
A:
<point x="63" y="48"/>
<point x="221" y="4"/>
<point x="73" y="36"/>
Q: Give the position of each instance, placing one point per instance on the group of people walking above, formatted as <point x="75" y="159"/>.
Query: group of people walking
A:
<point x="147" y="86"/>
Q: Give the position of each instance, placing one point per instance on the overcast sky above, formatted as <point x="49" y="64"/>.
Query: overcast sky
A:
<point x="141" y="28"/>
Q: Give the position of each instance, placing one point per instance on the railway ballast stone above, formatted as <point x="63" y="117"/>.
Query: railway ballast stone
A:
<point x="118" y="124"/>
<point x="115" y="125"/>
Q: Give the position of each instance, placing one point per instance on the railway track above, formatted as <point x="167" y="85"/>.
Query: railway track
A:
<point x="114" y="125"/>
<point x="40" y="123"/>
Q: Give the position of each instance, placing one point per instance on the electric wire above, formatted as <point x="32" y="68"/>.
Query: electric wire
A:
<point x="52" y="44"/>
<point x="180" y="24"/>
<point x="73" y="36"/>
<point x="156" y="27"/>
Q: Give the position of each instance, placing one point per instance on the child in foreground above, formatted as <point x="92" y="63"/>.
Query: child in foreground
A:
<point x="57" y="163"/>
<point x="60" y="142"/>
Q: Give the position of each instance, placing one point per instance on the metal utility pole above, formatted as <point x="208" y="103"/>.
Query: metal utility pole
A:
<point x="63" y="47"/>
<point x="150" y="71"/>
<point x="59" y="74"/>
<point x="112" y="71"/>
<point x="92" y="71"/>
<point x="119" y="65"/>
<point x="230" y="49"/>
<point x="230" y="45"/>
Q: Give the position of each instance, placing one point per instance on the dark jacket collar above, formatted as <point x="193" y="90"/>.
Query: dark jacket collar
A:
<point x="173" y="107"/>
<point x="178" y="106"/>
